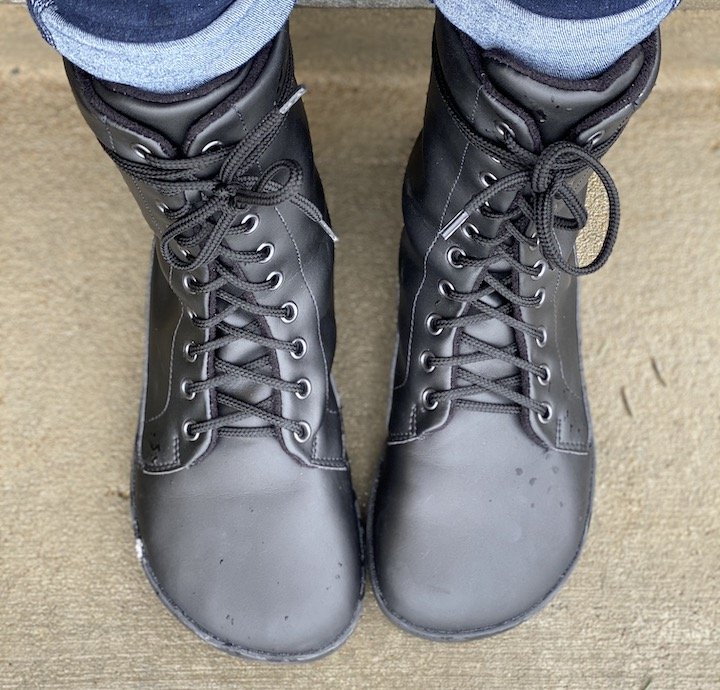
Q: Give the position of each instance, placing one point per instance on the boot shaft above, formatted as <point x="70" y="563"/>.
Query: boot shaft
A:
<point x="498" y="139"/>
<point x="257" y="350"/>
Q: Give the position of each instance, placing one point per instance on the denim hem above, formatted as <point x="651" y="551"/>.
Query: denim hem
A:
<point x="167" y="66"/>
<point x="565" y="48"/>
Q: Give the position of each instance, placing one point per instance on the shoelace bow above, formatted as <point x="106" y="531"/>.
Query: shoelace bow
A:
<point x="199" y="231"/>
<point x="539" y="181"/>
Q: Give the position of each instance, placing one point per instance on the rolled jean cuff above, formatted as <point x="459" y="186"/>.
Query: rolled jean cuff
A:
<point x="168" y="66"/>
<point x="565" y="48"/>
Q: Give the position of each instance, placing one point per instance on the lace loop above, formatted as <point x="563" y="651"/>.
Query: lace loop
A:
<point x="547" y="178"/>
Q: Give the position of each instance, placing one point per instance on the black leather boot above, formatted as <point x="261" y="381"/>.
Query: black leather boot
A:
<point x="243" y="508"/>
<point x="484" y="494"/>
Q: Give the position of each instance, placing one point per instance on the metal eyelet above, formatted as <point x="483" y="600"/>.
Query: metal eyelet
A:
<point x="268" y="247"/>
<point x="186" y="383"/>
<point x="487" y="178"/>
<point x="504" y="130"/>
<point x="291" y="311"/>
<point x="189" y="356"/>
<point x="191" y="314"/>
<point x="306" y="388"/>
<point x="184" y="253"/>
<point x="275" y="279"/>
<point x="542" y="340"/>
<point x="141" y="150"/>
<point x="163" y="208"/>
<point x="304" y="433"/>
<point x="429" y="404"/>
<point x="470" y="231"/>
<point x="187" y="434"/>
<point x="540" y="296"/>
<point x="425" y="358"/>
<point x="542" y="267"/>
<point x="253" y="220"/>
<point x="535" y="244"/>
<point x="545" y="416"/>
<point x="453" y="256"/>
<point x="431" y="324"/>
<point x="594" y="138"/>
<point x="544" y="378"/>
<point x="445" y="287"/>
<point x="211" y="145"/>
<point x="189" y="284"/>
<point x="299" y="348"/>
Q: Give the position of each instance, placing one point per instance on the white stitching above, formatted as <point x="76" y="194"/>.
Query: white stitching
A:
<point x="317" y="310"/>
<point x="430" y="248"/>
<point x="172" y="362"/>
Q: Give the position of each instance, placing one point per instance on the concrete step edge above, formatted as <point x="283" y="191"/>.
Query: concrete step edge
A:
<point x="402" y="4"/>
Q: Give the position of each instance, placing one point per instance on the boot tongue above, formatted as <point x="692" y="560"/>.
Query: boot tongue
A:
<point x="559" y="105"/>
<point x="171" y="115"/>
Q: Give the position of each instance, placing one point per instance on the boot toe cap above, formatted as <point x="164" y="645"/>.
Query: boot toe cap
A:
<point x="259" y="556"/>
<point x="465" y="546"/>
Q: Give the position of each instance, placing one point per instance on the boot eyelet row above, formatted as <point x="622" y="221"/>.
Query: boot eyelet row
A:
<point x="250" y="223"/>
<point x="470" y="231"/>
<point x="546" y="415"/>
<point x="427" y="402"/>
<point x="425" y="358"/>
<point x="454" y="255"/>
<point x="544" y="378"/>
<point x="187" y="353"/>
<point x="595" y="138"/>
<point x="304" y="434"/>
<point x="184" y="253"/>
<point x="275" y="279"/>
<point x="306" y="389"/>
<point x="188" y="394"/>
<point x="487" y="178"/>
<point x="299" y="348"/>
<point x="431" y="324"/>
<point x="188" y="435"/>
<point x="211" y="145"/>
<point x="291" y="312"/>
<point x="445" y="287"/>
<point x="267" y="248"/>
<point x="541" y="267"/>
<point x="141" y="151"/>
<point x="505" y="130"/>
<point x="190" y="285"/>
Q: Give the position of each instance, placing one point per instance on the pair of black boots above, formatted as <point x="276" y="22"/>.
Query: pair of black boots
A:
<point x="245" y="517"/>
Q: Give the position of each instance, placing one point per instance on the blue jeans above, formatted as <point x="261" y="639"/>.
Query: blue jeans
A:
<point x="174" y="45"/>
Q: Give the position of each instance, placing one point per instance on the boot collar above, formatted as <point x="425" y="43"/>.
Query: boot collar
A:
<point x="494" y="90"/>
<point x="125" y="119"/>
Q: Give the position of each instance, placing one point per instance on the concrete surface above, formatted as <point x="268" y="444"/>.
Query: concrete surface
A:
<point x="641" y="611"/>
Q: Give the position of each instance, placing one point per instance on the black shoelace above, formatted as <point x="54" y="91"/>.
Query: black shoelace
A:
<point x="539" y="182"/>
<point x="196" y="238"/>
